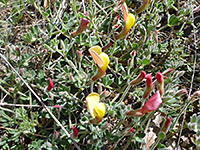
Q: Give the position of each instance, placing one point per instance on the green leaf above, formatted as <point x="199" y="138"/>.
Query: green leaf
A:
<point x="161" y="135"/>
<point x="49" y="28"/>
<point x="27" y="37"/>
<point x="172" y="20"/>
<point x="146" y="61"/>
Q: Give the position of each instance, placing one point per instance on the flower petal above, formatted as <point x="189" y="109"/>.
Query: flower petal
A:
<point x="98" y="60"/>
<point x="152" y="104"/>
<point x="97" y="49"/>
<point x="125" y="12"/>
<point x="130" y="22"/>
<point x="91" y="101"/>
<point x="99" y="110"/>
<point x="105" y="59"/>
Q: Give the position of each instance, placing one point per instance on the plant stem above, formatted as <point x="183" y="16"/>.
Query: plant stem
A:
<point x="119" y="93"/>
<point x="74" y="9"/>
<point x="91" y="87"/>
<point x="184" y="109"/>
<point x="113" y="50"/>
<point x="124" y="94"/>
<point x="165" y="26"/>
<point x="155" y="144"/>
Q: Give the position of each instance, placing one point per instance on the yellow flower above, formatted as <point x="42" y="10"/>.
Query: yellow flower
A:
<point x="129" y="20"/>
<point x="97" y="110"/>
<point x="101" y="59"/>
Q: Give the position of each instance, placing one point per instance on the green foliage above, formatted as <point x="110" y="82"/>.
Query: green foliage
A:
<point x="35" y="38"/>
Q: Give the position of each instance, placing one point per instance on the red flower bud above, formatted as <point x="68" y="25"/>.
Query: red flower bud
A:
<point x="131" y="130"/>
<point x="166" y="72"/>
<point x="116" y="26"/>
<point x="139" y="78"/>
<point x="50" y="85"/>
<point x="197" y="93"/>
<point x="149" y="86"/>
<point x="55" y="135"/>
<point x="159" y="77"/>
<point x="81" y="28"/>
<point x="79" y="55"/>
<point x="50" y="96"/>
<point x="180" y="92"/>
<point x="160" y="83"/>
<point x="148" y="80"/>
<point x="11" y="89"/>
<point x="167" y="125"/>
<point x="108" y="45"/>
<point x="155" y="36"/>
<point x="129" y="61"/>
<point x="57" y="106"/>
<point x="75" y="132"/>
<point x="132" y="54"/>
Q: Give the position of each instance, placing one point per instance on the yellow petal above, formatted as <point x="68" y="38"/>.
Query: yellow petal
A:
<point x="130" y="22"/>
<point x="99" y="110"/>
<point x="105" y="59"/>
<point x="125" y="12"/>
<point x="97" y="49"/>
<point x="91" y="101"/>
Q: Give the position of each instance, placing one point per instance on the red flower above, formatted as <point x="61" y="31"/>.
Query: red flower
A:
<point x="50" y="85"/>
<point x="152" y="104"/>
<point x="159" y="77"/>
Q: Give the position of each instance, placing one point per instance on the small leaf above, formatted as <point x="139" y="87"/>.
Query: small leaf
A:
<point x="161" y="135"/>
<point x="49" y="28"/>
<point x="146" y="62"/>
<point x="172" y="20"/>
